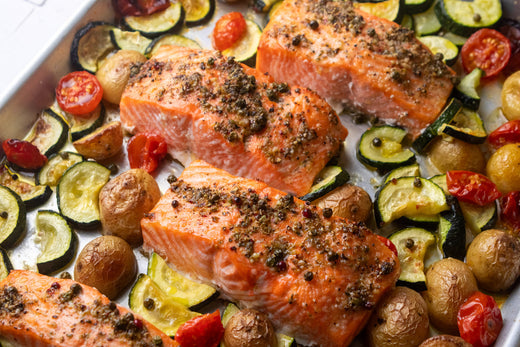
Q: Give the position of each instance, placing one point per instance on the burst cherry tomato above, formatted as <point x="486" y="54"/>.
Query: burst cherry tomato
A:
<point x="145" y="150"/>
<point x="479" y="320"/>
<point x="229" y="29"/>
<point x="139" y="7"/>
<point x="23" y="154"/>
<point x="79" y="93"/>
<point x="506" y="133"/>
<point x="486" y="49"/>
<point x="201" y="331"/>
<point x="510" y="210"/>
<point x="388" y="244"/>
<point x="471" y="187"/>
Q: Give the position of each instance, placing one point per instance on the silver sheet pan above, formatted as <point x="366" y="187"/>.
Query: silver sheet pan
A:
<point x="32" y="89"/>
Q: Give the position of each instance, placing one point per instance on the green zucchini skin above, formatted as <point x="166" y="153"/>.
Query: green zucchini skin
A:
<point x="245" y="49"/>
<point x="423" y="140"/>
<point x="439" y="44"/>
<point x="83" y="127"/>
<point x="32" y="195"/>
<point x="414" y="6"/>
<point x="90" y="45"/>
<point x="170" y="20"/>
<point x="452" y="231"/>
<point x="466" y="90"/>
<point x="64" y="245"/>
<point x="375" y="156"/>
<point x="411" y="245"/>
<point x="49" y="133"/>
<point x="330" y="178"/>
<point x="460" y="17"/>
<point x="479" y="218"/>
<point x="14" y="228"/>
<point x="466" y="126"/>
<point x="392" y="10"/>
<point x="403" y="171"/>
<point x="5" y="264"/>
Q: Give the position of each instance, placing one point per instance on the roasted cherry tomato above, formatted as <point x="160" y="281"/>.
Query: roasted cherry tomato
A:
<point x="145" y="150"/>
<point x="229" y="29"/>
<point x="388" y="244"/>
<point x="472" y="187"/>
<point x="23" y="154"/>
<point x="510" y="210"/>
<point x="486" y="49"/>
<point x="510" y="28"/>
<point x="201" y="331"/>
<point x="139" y="7"/>
<point x="479" y="320"/>
<point x="506" y="133"/>
<point x="79" y="93"/>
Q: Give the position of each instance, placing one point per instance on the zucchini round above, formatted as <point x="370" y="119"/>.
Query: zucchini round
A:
<point x="170" y="39"/>
<point x="129" y="40"/>
<point x="466" y="90"/>
<point x="380" y="147"/>
<point x="411" y="245"/>
<point x="330" y="178"/>
<point x="465" y="17"/>
<point x="466" y="126"/>
<point x="49" y="133"/>
<point x="404" y="171"/>
<point x="426" y="23"/>
<point x="439" y="44"/>
<point x="57" y="164"/>
<point x="158" y="23"/>
<point x="5" y="264"/>
<point x="392" y="10"/>
<point x="147" y="299"/>
<point x="177" y="287"/>
<point x="452" y="231"/>
<point x="31" y="194"/>
<point x="83" y="126"/>
<point x="244" y="50"/>
<point x="198" y="11"/>
<point x="417" y="6"/>
<point x="432" y="130"/>
<point x="90" y="45"/>
<point x="58" y="242"/>
<point x="12" y="217"/>
<point x="479" y="218"/>
<point x="78" y="192"/>
<point x="410" y="197"/>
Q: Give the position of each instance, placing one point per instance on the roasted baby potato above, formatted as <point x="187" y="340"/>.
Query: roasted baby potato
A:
<point x="249" y="328"/>
<point x="107" y="263"/>
<point x="124" y="200"/>
<point x="511" y="97"/>
<point x="347" y="201"/>
<point x="445" y="341"/>
<point x="448" y="153"/>
<point x="115" y="71"/>
<point x="103" y="143"/>
<point x="503" y="167"/>
<point x="400" y="320"/>
<point x="449" y="283"/>
<point x="494" y="258"/>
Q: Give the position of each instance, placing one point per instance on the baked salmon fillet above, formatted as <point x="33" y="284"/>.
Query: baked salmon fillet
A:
<point x="213" y="108"/>
<point x="316" y="276"/>
<point x="37" y="310"/>
<point x="370" y="64"/>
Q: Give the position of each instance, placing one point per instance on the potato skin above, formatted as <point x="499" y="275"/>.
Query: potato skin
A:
<point x="114" y="73"/>
<point x="449" y="283"/>
<point x="445" y="341"/>
<point x="400" y="320"/>
<point x="511" y="97"/>
<point x="106" y="263"/>
<point x="347" y="201"/>
<point x="448" y="153"/>
<point x="124" y="200"/>
<point x="503" y="168"/>
<point x="103" y="143"/>
<point x="249" y="328"/>
<point x="494" y="258"/>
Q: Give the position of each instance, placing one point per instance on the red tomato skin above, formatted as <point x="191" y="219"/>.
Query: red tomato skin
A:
<point x="79" y="93"/>
<point x="506" y="133"/>
<point x="510" y="210"/>
<point x="479" y="320"/>
<point x="388" y="244"/>
<point x="487" y="49"/>
<point x="23" y="154"/>
<point x="229" y="29"/>
<point x="139" y="7"/>
<point x="145" y="150"/>
<point x="202" y="331"/>
<point x="472" y="187"/>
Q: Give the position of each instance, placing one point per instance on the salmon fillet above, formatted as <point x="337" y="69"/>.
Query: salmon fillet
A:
<point x="371" y="64"/>
<point x="213" y="108"/>
<point x="316" y="278"/>
<point x="37" y="310"/>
